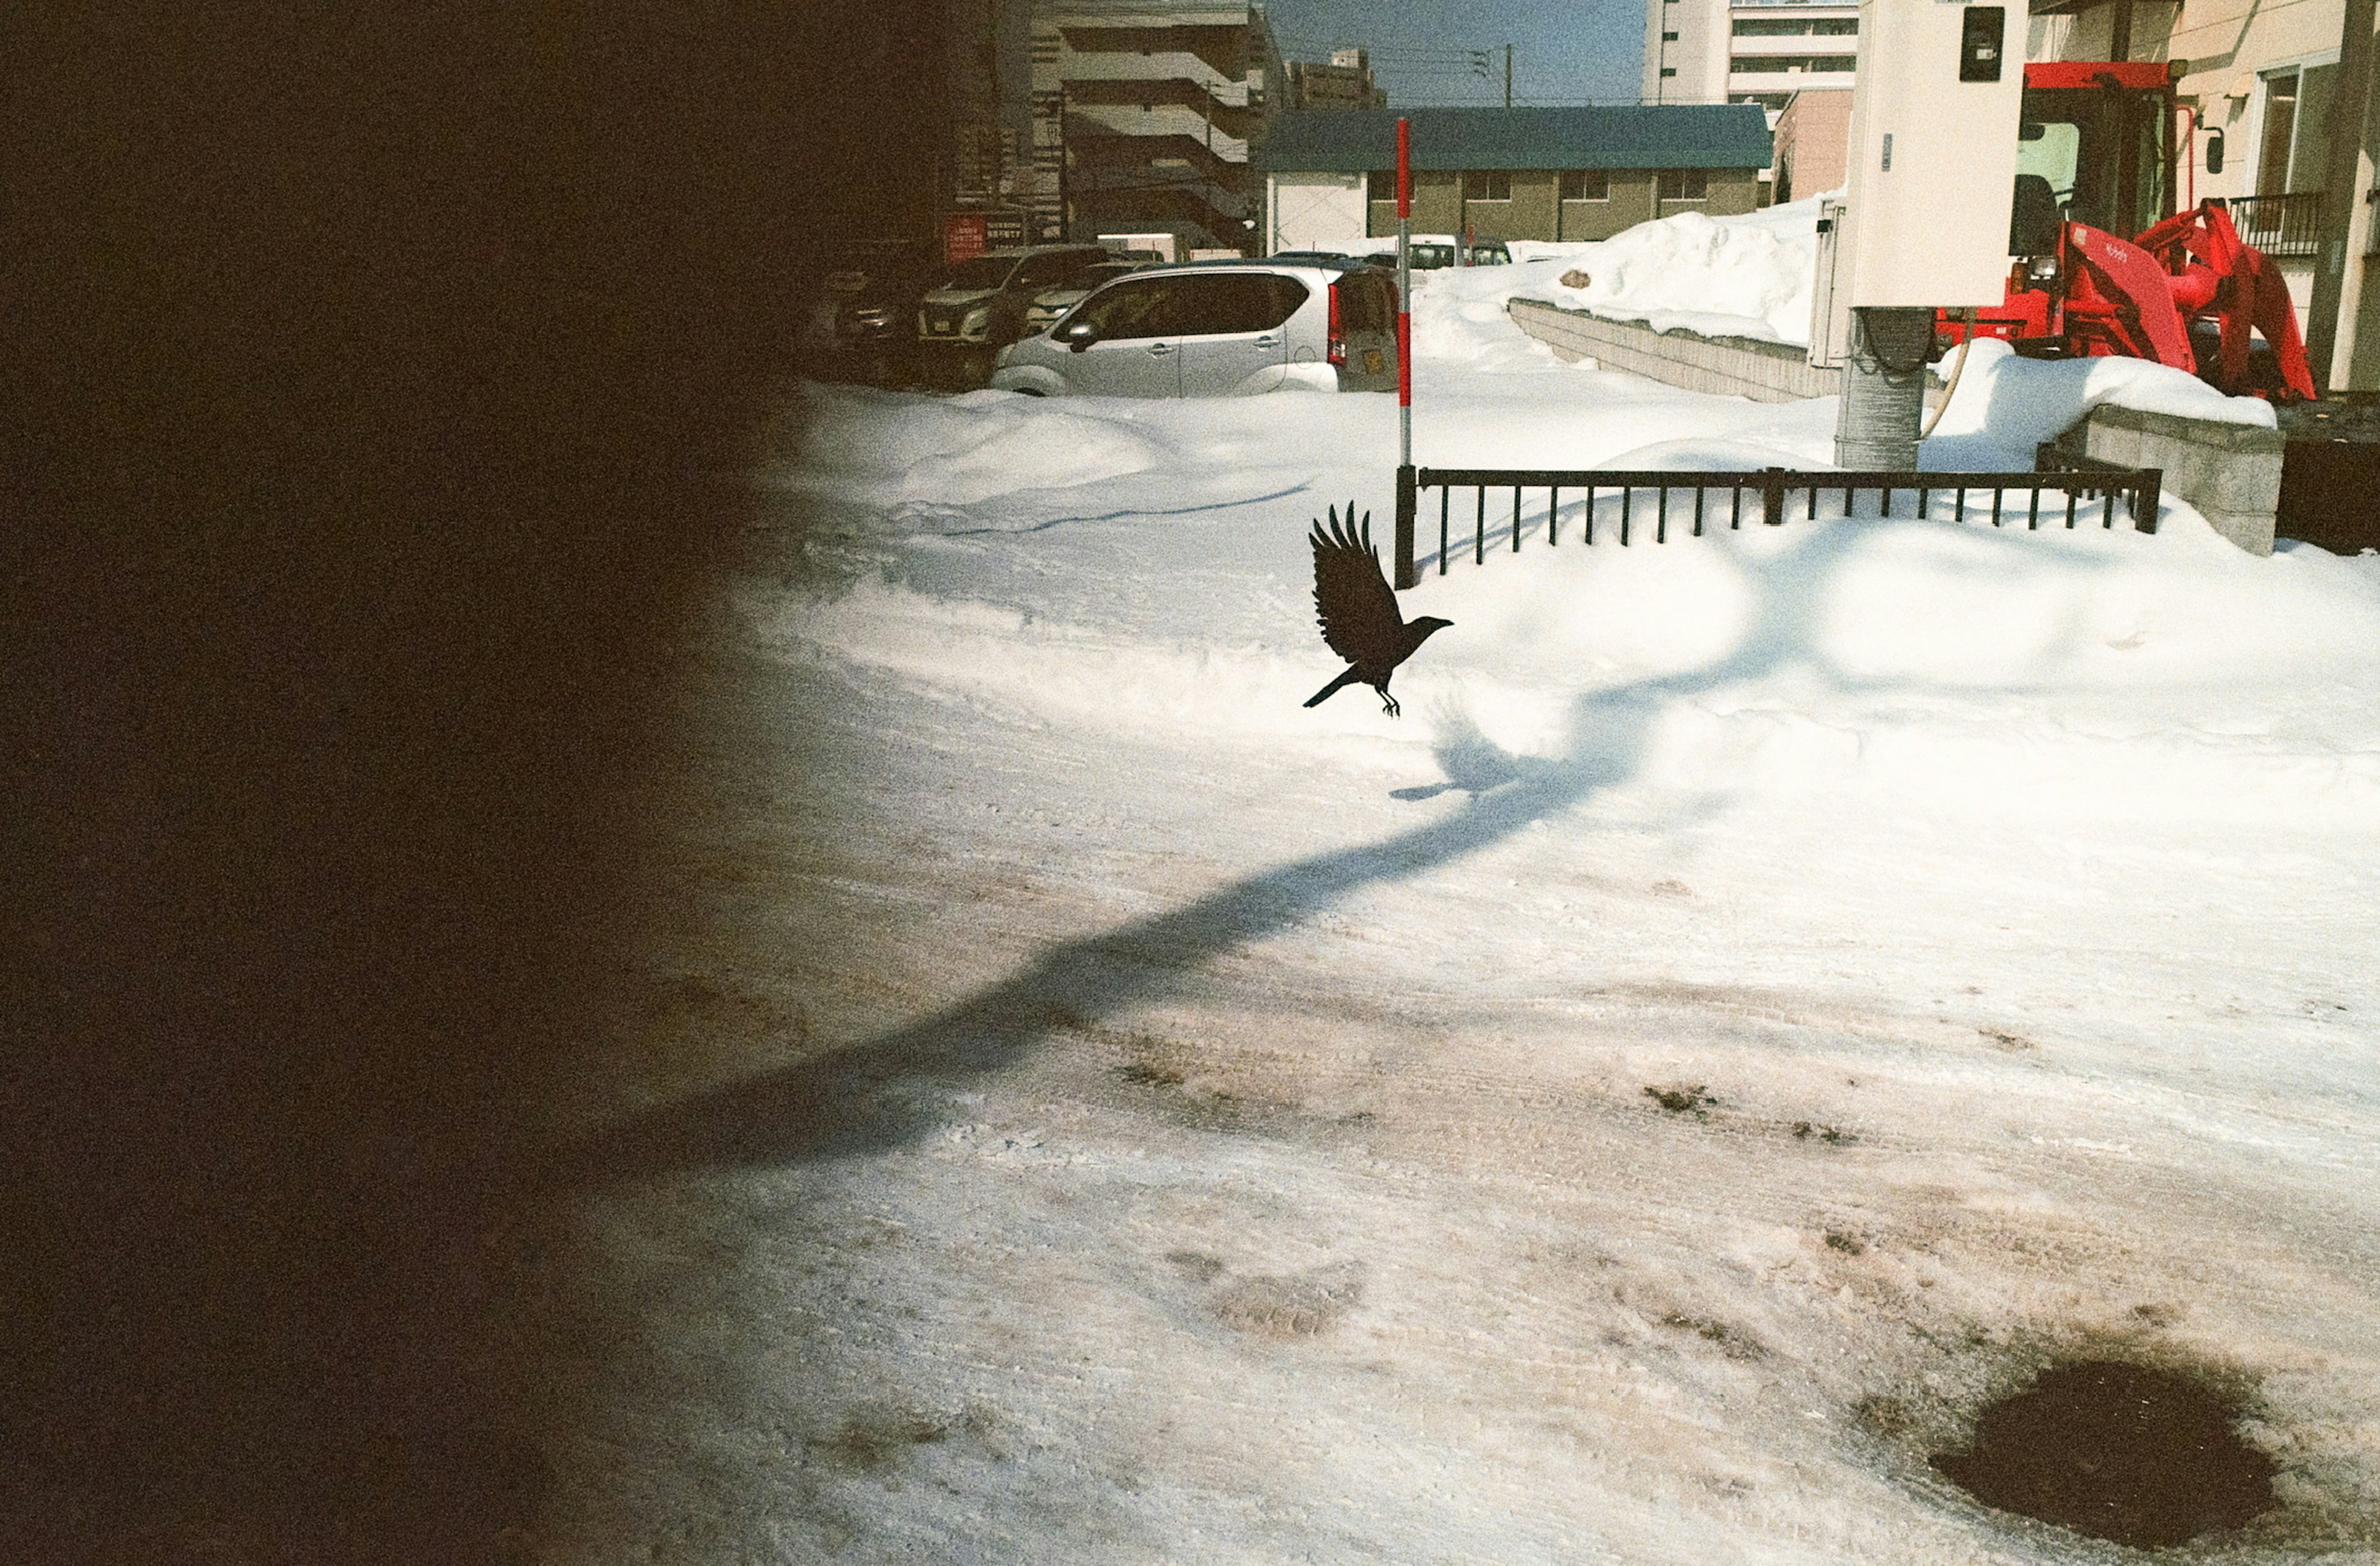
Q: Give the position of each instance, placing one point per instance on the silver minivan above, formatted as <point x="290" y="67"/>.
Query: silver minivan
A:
<point x="1215" y="330"/>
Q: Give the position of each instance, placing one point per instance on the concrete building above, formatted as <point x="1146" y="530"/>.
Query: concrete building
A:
<point x="1346" y="84"/>
<point x="1762" y="51"/>
<point x="986" y="171"/>
<point x="1143" y="118"/>
<point x="1510" y="173"/>
<point x="1746" y="51"/>
<point x="1814" y="137"/>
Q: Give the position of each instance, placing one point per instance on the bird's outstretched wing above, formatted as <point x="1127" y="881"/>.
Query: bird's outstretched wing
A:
<point x="1358" y="613"/>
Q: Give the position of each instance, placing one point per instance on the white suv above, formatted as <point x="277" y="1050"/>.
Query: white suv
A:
<point x="1216" y="329"/>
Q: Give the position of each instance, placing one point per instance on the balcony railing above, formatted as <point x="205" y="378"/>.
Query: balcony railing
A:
<point x="2280" y="226"/>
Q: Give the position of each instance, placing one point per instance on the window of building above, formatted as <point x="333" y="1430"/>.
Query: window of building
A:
<point x="1487" y="184"/>
<point x="1586" y="184"/>
<point x="2290" y="156"/>
<point x="1684" y="184"/>
<point x="1826" y="27"/>
<point x="1751" y="65"/>
<point x="1669" y="38"/>
<point x="1669" y="70"/>
<point x="1382" y="184"/>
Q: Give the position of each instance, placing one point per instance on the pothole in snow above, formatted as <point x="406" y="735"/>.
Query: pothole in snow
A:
<point x="2126" y="1453"/>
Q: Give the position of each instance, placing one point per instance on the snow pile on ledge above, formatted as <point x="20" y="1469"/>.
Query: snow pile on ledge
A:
<point x="2005" y="405"/>
<point x="1744" y="277"/>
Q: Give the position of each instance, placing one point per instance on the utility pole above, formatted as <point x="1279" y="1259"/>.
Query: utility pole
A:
<point x="1508" y="76"/>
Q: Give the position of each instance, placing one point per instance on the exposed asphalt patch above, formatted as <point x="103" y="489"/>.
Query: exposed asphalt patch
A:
<point x="2125" y="1453"/>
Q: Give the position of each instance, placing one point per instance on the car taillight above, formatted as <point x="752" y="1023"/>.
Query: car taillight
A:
<point x="1338" y="348"/>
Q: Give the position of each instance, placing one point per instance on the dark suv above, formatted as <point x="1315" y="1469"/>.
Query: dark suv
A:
<point x="979" y="309"/>
<point x="863" y="324"/>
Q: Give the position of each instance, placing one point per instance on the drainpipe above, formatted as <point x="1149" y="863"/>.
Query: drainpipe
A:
<point x="2346" y="222"/>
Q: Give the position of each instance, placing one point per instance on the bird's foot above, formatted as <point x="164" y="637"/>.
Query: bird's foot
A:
<point x="1389" y="705"/>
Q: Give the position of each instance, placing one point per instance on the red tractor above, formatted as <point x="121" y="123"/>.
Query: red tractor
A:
<point x="2098" y="159"/>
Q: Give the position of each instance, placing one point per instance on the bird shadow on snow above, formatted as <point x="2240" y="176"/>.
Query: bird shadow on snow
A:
<point x="1473" y="763"/>
<point x="884" y="1090"/>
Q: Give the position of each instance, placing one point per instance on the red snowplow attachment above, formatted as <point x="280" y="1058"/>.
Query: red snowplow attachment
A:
<point x="2215" y="273"/>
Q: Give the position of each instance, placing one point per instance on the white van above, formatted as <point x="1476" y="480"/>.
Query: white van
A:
<point x="1215" y="330"/>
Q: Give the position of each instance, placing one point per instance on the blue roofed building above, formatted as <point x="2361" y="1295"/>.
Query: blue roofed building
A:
<point x="1508" y="174"/>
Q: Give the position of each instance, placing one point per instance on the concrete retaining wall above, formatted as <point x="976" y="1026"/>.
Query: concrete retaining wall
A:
<point x="1730" y="367"/>
<point x="2230" y="472"/>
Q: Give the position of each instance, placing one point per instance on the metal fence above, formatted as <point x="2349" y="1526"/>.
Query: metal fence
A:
<point x="1628" y="505"/>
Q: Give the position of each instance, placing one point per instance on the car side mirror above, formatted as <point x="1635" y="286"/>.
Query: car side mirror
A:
<point x="1079" y="334"/>
<point x="2214" y="150"/>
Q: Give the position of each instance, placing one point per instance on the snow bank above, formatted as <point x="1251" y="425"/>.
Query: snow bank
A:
<point x="2005" y="405"/>
<point x="1000" y="460"/>
<point x="1745" y="276"/>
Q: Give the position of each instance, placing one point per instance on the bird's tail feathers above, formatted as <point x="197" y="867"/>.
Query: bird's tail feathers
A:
<point x="1349" y="678"/>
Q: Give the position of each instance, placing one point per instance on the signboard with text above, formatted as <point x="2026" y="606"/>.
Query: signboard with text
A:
<point x="964" y="237"/>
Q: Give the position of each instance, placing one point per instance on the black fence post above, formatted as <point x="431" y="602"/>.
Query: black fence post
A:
<point x="1772" y="497"/>
<point x="2146" y="500"/>
<point x="1407" y="498"/>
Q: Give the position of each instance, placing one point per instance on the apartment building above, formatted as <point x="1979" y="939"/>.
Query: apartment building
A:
<point x="1344" y="83"/>
<point x="1746" y="51"/>
<point x="1145" y="116"/>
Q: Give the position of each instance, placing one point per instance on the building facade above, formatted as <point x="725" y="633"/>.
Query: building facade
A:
<point x="1346" y="84"/>
<point x="1145" y="116"/>
<point x="1510" y="173"/>
<point x="986" y="171"/>
<point x="1746" y="51"/>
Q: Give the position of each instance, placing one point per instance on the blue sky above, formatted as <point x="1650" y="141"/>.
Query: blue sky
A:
<point x="1564" y="51"/>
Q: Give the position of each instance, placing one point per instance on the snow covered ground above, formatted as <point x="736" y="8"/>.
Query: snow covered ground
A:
<point x="1770" y="992"/>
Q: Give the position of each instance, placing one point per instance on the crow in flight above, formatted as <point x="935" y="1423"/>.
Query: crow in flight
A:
<point x="1358" y="613"/>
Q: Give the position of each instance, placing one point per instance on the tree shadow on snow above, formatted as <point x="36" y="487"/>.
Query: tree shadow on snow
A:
<point x="879" y="1092"/>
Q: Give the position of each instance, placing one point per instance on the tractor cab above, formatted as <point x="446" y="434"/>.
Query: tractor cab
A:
<point x="2096" y="139"/>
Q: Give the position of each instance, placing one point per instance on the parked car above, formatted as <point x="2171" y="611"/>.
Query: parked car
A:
<point x="1216" y="329"/>
<point x="1323" y="257"/>
<point x="861" y="326"/>
<point x="1049" y="305"/>
<point x="980" y="308"/>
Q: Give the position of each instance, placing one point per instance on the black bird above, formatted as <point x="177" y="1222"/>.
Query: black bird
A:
<point x="1358" y="613"/>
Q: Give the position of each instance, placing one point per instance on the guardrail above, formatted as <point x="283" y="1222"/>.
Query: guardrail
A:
<point x="2280" y="226"/>
<point x="1611" y="496"/>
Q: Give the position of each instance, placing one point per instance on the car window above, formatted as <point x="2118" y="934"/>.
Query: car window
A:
<point x="1132" y="309"/>
<point x="1216" y="306"/>
<point x="983" y="272"/>
<point x="1366" y="302"/>
<point x="1043" y="271"/>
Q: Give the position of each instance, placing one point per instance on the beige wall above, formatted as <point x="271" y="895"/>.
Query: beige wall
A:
<point x="2229" y="44"/>
<point x="1437" y="205"/>
<point x="1630" y="203"/>
<point x="1538" y="212"/>
<point x="1814" y="137"/>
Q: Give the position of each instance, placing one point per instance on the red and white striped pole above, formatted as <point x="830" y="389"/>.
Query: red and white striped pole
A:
<point x="1406" y="498"/>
